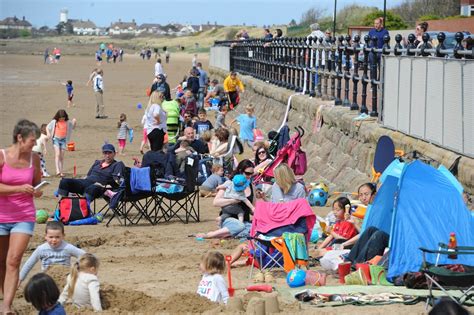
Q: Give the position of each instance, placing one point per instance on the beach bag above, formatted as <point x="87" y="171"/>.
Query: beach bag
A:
<point x="301" y="163"/>
<point x="332" y="259"/>
<point x="258" y="135"/>
<point x="70" y="209"/>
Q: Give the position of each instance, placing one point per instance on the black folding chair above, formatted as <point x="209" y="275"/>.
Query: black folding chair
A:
<point x="170" y="205"/>
<point x="132" y="207"/>
<point x="445" y="279"/>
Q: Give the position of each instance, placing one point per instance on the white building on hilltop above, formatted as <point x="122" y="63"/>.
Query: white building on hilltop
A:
<point x="63" y="16"/>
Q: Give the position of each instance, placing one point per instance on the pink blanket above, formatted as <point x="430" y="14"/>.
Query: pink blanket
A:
<point x="268" y="216"/>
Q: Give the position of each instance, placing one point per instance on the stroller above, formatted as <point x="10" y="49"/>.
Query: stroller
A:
<point x="291" y="154"/>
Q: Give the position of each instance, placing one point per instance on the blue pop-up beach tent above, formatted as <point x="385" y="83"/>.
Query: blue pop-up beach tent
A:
<point x="420" y="208"/>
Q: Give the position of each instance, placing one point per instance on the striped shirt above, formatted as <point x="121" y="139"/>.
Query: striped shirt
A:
<point x="48" y="255"/>
<point x="123" y="129"/>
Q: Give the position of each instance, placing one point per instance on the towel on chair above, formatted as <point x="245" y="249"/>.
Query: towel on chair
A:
<point x="140" y="180"/>
<point x="268" y="216"/>
<point x="296" y="244"/>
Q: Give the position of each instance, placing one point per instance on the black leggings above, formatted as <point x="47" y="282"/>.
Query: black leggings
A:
<point x="156" y="138"/>
<point x="370" y="244"/>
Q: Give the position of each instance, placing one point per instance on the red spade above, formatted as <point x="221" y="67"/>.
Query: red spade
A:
<point x="228" y="259"/>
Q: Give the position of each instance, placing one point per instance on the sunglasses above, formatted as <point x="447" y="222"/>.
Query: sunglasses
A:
<point x="261" y="152"/>
<point x="248" y="173"/>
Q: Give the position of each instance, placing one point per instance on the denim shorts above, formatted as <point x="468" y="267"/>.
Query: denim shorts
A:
<point x="18" y="227"/>
<point x="60" y="143"/>
<point x="236" y="228"/>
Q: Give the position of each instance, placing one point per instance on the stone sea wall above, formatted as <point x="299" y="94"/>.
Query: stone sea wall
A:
<point x="340" y="153"/>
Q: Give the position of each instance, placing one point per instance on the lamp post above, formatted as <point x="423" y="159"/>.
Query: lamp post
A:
<point x="334" y="19"/>
<point x="384" y="12"/>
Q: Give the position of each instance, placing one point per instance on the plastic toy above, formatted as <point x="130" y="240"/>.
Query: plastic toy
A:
<point x="296" y="278"/>
<point x="317" y="197"/>
<point x="41" y="216"/>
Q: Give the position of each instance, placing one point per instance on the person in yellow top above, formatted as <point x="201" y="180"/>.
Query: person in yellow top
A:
<point x="233" y="86"/>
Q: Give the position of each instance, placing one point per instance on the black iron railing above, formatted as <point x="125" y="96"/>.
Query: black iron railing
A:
<point x="331" y="68"/>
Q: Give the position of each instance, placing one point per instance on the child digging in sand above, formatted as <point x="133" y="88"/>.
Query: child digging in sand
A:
<point x="55" y="251"/>
<point x="212" y="284"/>
<point x="43" y="293"/>
<point x="82" y="287"/>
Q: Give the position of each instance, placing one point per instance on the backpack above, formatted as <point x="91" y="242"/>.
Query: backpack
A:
<point x="70" y="209"/>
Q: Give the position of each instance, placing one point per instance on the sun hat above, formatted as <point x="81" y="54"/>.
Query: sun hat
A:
<point x="240" y="182"/>
<point x="108" y="148"/>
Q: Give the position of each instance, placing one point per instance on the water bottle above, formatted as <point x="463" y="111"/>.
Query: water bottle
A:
<point x="452" y="245"/>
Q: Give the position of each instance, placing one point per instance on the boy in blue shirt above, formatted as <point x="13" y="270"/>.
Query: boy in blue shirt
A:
<point x="248" y="122"/>
<point x="70" y="93"/>
<point x="203" y="124"/>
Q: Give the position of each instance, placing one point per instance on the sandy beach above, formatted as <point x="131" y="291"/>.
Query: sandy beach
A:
<point x="144" y="269"/>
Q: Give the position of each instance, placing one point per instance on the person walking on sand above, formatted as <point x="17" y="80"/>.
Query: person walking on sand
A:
<point x="98" y="85"/>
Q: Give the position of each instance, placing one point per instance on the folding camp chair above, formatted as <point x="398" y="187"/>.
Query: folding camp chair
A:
<point x="169" y="205"/>
<point x="274" y="228"/>
<point x="132" y="207"/>
<point x="438" y="276"/>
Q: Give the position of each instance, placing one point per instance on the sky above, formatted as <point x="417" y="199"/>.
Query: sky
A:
<point x="224" y="12"/>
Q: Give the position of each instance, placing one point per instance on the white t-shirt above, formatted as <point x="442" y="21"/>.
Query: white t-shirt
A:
<point x="158" y="69"/>
<point x="150" y="122"/>
<point x="86" y="291"/>
<point x="40" y="143"/>
<point x="214" y="288"/>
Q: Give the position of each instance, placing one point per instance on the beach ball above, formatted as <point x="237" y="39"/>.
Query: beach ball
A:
<point x="318" y="198"/>
<point x="41" y="216"/>
<point x="322" y="186"/>
<point x="296" y="278"/>
<point x="139" y="105"/>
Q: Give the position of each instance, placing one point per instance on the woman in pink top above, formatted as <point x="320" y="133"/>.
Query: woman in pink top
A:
<point x="20" y="171"/>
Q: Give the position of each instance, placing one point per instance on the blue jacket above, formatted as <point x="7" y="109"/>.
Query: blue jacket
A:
<point x="379" y="34"/>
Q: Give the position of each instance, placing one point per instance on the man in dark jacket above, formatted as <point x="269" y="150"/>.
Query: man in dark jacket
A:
<point x="102" y="173"/>
<point x="161" y="85"/>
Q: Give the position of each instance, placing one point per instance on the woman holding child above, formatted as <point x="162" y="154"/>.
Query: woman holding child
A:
<point x="20" y="172"/>
<point x="232" y="227"/>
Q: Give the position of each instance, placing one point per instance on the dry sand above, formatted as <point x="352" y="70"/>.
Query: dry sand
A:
<point x="144" y="269"/>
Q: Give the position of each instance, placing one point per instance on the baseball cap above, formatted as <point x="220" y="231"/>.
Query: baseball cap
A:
<point x="240" y="182"/>
<point x="108" y="148"/>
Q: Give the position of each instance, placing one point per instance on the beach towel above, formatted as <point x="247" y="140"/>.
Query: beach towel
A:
<point x="140" y="180"/>
<point x="296" y="244"/>
<point x="268" y="216"/>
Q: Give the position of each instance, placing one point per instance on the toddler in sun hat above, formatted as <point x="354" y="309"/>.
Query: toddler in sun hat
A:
<point x="235" y="189"/>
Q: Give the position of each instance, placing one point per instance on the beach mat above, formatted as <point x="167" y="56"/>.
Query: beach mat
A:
<point x="288" y="294"/>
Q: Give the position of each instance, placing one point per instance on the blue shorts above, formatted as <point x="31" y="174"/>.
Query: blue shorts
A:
<point x="236" y="228"/>
<point x="18" y="227"/>
<point x="60" y="143"/>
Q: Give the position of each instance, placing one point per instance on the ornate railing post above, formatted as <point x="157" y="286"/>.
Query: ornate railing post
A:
<point x="331" y="74"/>
<point x="411" y="44"/>
<point x="365" y="76"/>
<point x="398" y="45"/>
<point x="441" y="38"/>
<point x="347" y="71"/>
<point x="321" y="71"/>
<point x="374" y="76"/>
<point x="339" y="72"/>
<point x="356" y="76"/>
<point x="458" y="37"/>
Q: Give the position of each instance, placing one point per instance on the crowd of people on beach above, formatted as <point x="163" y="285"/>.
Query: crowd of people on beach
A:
<point x="176" y="125"/>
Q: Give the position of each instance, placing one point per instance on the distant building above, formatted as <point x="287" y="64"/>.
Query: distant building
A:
<point x="14" y="23"/>
<point x="467" y="7"/>
<point x="151" y="28"/>
<point x="88" y="27"/>
<point x="63" y="16"/>
<point x="119" y="28"/>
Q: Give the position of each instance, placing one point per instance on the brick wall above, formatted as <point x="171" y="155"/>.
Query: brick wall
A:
<point x="454" y="25"/>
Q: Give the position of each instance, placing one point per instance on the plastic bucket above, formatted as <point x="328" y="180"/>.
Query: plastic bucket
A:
<point x="71" y="146"/>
